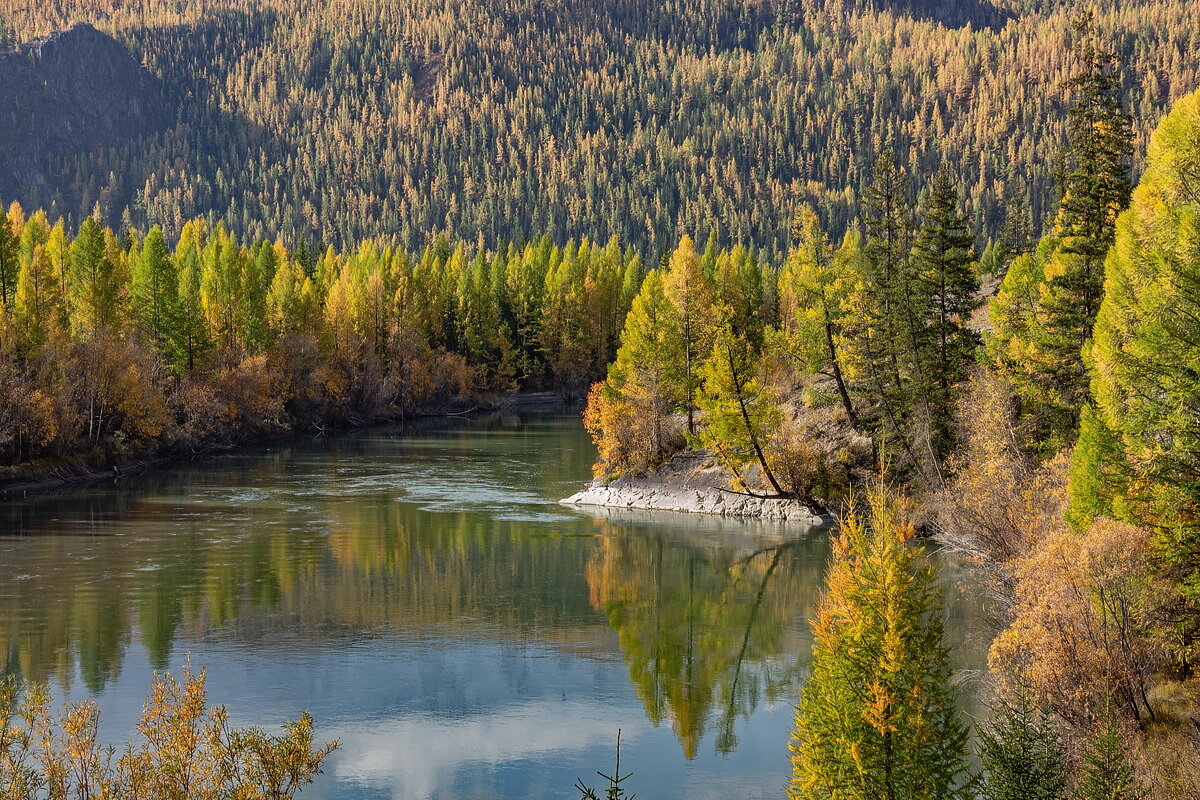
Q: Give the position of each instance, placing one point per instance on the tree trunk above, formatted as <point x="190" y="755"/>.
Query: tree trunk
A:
<point x="843" y="392"/>
<point x="741" y="398"/>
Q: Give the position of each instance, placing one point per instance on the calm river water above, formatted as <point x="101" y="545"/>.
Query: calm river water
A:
<point x="421" y="592"/>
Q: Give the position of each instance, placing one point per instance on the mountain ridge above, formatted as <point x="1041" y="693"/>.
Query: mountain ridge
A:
<point x="66" y="93"/>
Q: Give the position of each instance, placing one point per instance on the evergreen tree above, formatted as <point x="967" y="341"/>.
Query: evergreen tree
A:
<point x="1016" y="234"/>
<point x="1022" y="754"/>
<point x="943" y="262"/>
<point x="1096" y="190"/>
<point x="1047" y="368"/>
<point x="887" y="322"/>
<point x="895" y="325"/>
<point x="877" y="717"/>
<point x="1106" y="772"/>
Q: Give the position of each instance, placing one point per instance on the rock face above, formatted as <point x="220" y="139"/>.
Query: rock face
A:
<point x="654" y="496"/>
<point x="66" y="94"/>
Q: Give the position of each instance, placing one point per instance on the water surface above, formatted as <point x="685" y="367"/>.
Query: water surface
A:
<point x="419" y="590"/>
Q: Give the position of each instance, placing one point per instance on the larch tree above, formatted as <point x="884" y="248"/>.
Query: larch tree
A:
<point x="94" y="279"/>
<point x="9" y="262"/>
<point x="39" y="302"/>
<point x="814" y="290"/>
<point x="630" y="414"/>
<point x="740" y="417"/>
<point x="291" y="301"/>
<point x="223" y="293"/>
<point x="193" y="339"/>
<point x="877" y="718"/>
<point x="690" y="294"/>
<point x="154" y="292"/>
<point x="1138" y="457"/>
<point x="260" y="271"/>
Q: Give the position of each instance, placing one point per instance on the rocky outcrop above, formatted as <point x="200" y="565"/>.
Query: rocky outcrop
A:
<point x="694" y="482"/>
<point x="653" y="495"/>
<point x="67" y="94"/>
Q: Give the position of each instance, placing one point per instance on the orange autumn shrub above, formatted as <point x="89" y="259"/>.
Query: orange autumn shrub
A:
<point x="1086" y="622"/>
<point x="250" y="394"/>
<point x="999" y="502"/>
<point x="631" y="435"/>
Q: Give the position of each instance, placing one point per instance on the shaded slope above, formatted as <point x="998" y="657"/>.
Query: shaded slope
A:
<point x="68" y="93"/>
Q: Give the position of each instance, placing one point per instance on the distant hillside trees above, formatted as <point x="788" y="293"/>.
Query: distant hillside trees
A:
<point x="645" y="121"/>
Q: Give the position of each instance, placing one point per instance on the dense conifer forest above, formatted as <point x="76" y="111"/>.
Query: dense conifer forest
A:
<point x="499" y="120"/>
<point x="118" y="344"/>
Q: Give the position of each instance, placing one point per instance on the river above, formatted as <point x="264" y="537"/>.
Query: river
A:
<point x="419" y="590"/>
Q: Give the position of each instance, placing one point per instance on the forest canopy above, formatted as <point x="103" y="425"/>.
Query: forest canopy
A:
<point x="335" y="122"/>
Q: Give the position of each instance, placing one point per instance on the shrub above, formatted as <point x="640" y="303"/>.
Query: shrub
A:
<point x="187" y="750"/>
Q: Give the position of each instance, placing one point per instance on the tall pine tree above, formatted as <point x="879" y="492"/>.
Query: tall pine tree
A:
<point x="1022" y="754"/>
<point x="1045" y="363"/>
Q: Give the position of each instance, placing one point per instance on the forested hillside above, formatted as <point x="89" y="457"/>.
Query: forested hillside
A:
<point x="504" y="119"/>
<point x="70" y="92"/>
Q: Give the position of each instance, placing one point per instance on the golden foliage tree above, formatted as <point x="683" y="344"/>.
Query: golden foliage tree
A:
<point x="877" y="717"/>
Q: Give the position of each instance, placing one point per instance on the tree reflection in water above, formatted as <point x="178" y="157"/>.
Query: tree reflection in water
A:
<point x="708" y="623"/>
<point x="425" y="547"/>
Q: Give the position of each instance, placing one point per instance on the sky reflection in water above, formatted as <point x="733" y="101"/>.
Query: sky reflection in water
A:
<point x="419" y="590"/>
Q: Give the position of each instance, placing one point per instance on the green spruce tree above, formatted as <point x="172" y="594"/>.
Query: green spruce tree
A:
<point x="1022" y="754"/>
<point x="1045" y="365"/>
<point x="1105" y="771"/>
<point x="943" y="263"/>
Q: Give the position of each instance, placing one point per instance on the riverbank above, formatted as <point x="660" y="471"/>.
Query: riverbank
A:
<point x="50" y="475"/>
<point x="692" y="483"/>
